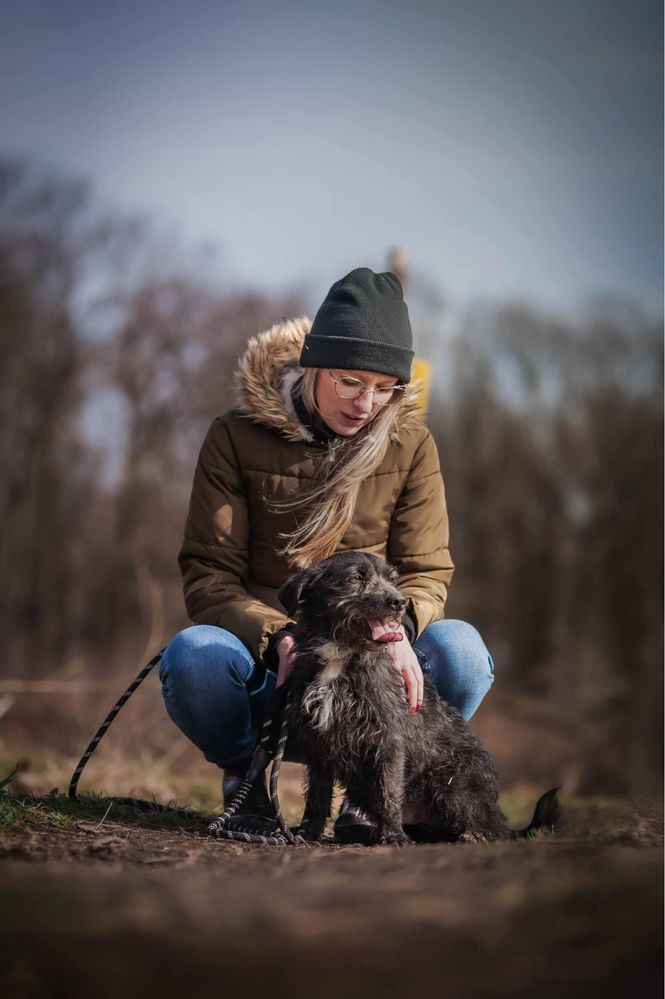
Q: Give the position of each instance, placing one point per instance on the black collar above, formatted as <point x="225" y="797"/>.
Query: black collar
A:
<point x="312" y="423"/>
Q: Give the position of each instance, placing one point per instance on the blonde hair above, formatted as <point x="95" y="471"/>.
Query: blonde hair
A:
<point x="332" y="499"/>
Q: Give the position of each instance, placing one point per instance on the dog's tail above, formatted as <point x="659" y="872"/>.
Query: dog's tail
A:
<point x="547" y="814"/>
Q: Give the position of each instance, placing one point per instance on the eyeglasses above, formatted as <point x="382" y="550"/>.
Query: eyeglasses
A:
<point x="352" y="388"/>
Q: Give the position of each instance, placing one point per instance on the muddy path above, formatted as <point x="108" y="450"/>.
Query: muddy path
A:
<point x="106" y="903"/>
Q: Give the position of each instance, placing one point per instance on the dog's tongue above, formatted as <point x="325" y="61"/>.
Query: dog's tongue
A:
<point x="382" y="633"/>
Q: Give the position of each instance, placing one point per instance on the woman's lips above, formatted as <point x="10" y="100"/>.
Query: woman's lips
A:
<point x="354" y="419"/>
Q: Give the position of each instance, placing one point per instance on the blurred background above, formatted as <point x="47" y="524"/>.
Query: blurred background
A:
<point x="175" y="177"/>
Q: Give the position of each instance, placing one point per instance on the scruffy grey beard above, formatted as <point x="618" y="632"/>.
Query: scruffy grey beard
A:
<point x="349" y="720"/>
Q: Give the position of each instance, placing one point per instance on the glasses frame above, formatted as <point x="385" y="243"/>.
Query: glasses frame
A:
<point x="396" y="390"/>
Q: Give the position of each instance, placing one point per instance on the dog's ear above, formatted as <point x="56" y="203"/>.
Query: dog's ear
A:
<point x="289" y="595"/>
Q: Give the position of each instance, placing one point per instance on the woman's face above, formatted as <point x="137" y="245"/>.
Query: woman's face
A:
<point x="347" y="416"/>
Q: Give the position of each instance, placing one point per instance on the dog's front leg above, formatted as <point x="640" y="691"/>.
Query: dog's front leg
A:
<point x="378" y="789"/>
<point x="318" y="804"/>
<point x="391" y="788"/>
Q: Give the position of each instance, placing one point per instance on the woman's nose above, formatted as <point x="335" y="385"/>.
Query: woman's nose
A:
<point x="365" y="402"/>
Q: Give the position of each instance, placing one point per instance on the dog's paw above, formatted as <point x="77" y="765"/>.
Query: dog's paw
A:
<point x="309" y="831"/>
<point x="472" y="837"/>
<point x="394" y="839"/>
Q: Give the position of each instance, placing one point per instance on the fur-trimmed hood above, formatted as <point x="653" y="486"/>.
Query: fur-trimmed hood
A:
<point x="267" y="372"/>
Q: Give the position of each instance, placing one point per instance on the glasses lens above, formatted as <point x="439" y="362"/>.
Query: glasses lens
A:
<point x="384" y="395"/>
<point x="348" y="388"/>
<point x="352" y="388"/>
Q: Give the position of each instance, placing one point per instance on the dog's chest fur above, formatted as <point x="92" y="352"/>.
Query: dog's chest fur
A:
<point x="346" y="700"/>
<point x="322" y="697"/>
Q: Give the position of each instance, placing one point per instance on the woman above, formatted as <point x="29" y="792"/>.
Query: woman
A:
<point x="323" y="451"/>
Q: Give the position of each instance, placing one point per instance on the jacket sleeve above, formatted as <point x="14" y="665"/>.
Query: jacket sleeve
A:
<point x="213" y="558"/>
<point x="418" y="538"/>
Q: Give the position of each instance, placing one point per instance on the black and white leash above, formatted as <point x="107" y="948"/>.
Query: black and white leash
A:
<point x="259" y="762"/>
<point x="262" y="755"/>
<point x="101" y="731"/>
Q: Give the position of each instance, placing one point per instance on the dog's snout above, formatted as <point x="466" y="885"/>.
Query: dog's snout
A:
<point x="398" y="602"/>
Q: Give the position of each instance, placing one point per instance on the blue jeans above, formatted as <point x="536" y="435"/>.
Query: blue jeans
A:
<point x="218" y="695"/>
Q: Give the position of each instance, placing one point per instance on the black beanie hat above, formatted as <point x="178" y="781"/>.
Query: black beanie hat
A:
<point x="362" y="325"/>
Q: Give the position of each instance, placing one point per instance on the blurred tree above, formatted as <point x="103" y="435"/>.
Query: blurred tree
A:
<point x="552" y="442"/>
<point x="46" y="470"/>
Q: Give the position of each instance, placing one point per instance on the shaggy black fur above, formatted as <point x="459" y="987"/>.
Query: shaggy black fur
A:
<point x="349" y="720"/>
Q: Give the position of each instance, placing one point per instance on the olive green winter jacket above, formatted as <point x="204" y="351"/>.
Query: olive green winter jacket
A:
<point x="260" y="452"/>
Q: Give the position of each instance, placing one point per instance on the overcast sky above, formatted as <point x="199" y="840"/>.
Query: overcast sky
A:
<point x="513" y="147"/>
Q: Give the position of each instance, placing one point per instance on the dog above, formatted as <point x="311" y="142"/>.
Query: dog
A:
<point x="349" y="722"/>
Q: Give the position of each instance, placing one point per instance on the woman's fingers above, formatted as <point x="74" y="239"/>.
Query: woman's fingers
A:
<point x="283" y="671"/>
<point x="413" y="679"/>
<point x="411" y="688"/>
<point x="286" y="652"/>
<point x="406" y="661"/>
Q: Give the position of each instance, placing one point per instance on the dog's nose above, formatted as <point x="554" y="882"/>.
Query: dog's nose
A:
<point x="397" y="603"/>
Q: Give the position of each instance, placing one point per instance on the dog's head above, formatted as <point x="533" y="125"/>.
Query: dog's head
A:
<point x="345" y="596"/>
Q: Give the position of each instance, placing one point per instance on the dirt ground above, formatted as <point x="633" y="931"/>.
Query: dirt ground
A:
<point x="107" y="901"/>
<point x="99" y="901"/>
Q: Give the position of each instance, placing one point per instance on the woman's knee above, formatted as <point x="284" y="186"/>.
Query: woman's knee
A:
<point x="460" y="640"/>
<point x="205" y="672"/>
<point x="205" y="648"/>
<point x="460" y="663"/>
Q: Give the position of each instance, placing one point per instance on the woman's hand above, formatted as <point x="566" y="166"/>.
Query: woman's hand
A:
<point x="286" y="654"/>
<point x="405" y="661"/>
